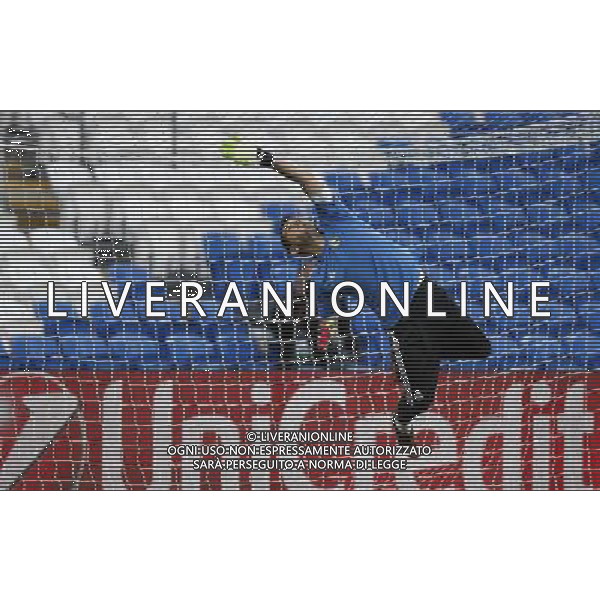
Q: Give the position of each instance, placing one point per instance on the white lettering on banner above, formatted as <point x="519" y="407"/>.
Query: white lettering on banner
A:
<point x="112" y="437"/>
<point x="444" y="452"/>
<point x="541" y="395"/>
<point x="574" y="423"/>
<point x="48" y="414"/>
<point x="227" y="432"/>
<point x="508" y="423"/>
<point x="261" y="397"/>
<point x="162" y="430"/>
<point x="308" y="394"/>
<point x="366" y="430"/>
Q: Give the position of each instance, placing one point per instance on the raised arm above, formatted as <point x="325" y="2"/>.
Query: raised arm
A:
<point x="311" y="184"/>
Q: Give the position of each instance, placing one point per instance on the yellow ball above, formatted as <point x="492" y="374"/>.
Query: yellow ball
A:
<point x="236" y="150"/>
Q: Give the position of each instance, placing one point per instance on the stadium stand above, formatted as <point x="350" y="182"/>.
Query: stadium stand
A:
<point x="516" y="216"/>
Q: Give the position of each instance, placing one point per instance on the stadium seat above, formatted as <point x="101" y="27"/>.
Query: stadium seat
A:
<point x="33" y="346"/>
<point x="576" y="161"/>
<point x="532" y="249"/>
<point x="344" y="181"/>
<point x="491" y="252"/>
<point x="560" y="323"/>
<point x="388" y="179"/>
<point x="539" y="350"/>
<point x="583" y="349"/>
<point x="461" y="122"/>
<point x="549" y="219"/>
<point x="444" y="249"/>
<point x="458" y="218"/>
<point x="589" y="315"/>
<point x="84" y="347"/>
<point x="119" y="273"/>
<point x="105" y="324"/>
<point x="189" y="351"/>
<point x="514" y="183"/>
<point x="506" y="219"/>
<point x="416" y="215"/>
<point x="570" y="286"/>
<point x="267" y="248"/>
<point x="530" y="160"/>
<point x="585" y="217"/>
<point x="474" y="186"/>
<point x="579" y="251"/>
<point x="507" y="353"/>
<point x="133" y="349"/>
<point x="564" y="188"/>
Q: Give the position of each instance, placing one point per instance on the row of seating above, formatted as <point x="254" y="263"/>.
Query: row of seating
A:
<point x="469" y="122"/>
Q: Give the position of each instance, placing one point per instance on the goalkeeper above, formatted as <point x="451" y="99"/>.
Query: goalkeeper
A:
<point x="341" y="247"/>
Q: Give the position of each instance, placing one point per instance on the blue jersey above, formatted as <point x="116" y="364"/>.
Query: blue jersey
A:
<point x="356" y="252"/>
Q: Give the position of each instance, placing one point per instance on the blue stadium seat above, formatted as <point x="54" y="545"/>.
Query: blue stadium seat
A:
<point x="104" y="324"/>
<point x="581" y="252"/>
<point x="549" y="219"/>
<point x="416" y="215"/>
<point x="570" y="286"/>
<point x="564" y="188"/>
<point x="380" y="218"/>
<point x="586" y="221"/>
<point x="33" y="353"/>
<point x="220" y="246"/>
<point x="491" y="252"/>
<point x="521" y="278"/>
<point x="390" y="198"/>
<point x="560" y="323"/>
<point x="514" y="180"/>
<point x="374" y="353"/>
<point x="240" y="270"/>
<point x="506" y="353"/>
<point x="589" y="315"/>
<point x="547" y="170"/>
<point x="119" y="273"/>
<point x="540" y="350"/>
<point x="359" y="202"/>
<point x="444" y="249"/>
<point x="505" y="119"/>
<point x="62" y="326"/>
<point x="576" y="161"/>
<point x="506" y="219"/>
<point x="389" y="179"/>
<point x="344" y="181"/>
<point x="530" y="160"/>
<point x="366" y="322"/>
<point x="532" y="249"/>
<point x="584" y="350"/>
<point x="458" y="218"/>
<point x="592" y="177"/>
<point x="279" y="271"/>
<point x="134" y="349"/>
<point x="84" y="347"/>
<point x="461" y="122"/>
<point x="267" y="248"/>
<point x="33" y="346"/>
<point x="188" y="351"/>
<point x="475" y="186"/>
<point x="228" y="331"/>
<point x="236" y="354"/>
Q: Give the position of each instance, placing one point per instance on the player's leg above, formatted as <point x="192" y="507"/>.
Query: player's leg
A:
<point x="452" y="336"/>
<point x="420" y="344"/>
<point x="417" y="367"/>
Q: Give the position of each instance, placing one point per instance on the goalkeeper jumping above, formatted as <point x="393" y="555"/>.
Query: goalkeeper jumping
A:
<point x="341" y="247"/>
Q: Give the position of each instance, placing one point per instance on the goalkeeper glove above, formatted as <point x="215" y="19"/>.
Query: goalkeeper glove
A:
<point x="265" y="158"/>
